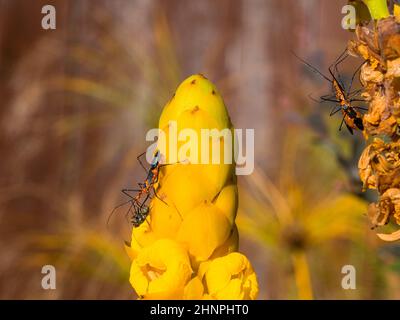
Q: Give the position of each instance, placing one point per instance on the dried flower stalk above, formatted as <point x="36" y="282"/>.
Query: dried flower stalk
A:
<point x="379" y="164"/>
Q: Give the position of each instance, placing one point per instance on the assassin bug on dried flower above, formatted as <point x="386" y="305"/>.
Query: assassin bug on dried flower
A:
<point x="342" y="98"/>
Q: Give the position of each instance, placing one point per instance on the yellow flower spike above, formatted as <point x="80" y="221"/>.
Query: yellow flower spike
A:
<point x="203" y="230"/>
<point x="193" y="226"/>
<point x="161" y="270"/>
<point x="231" y="277"/>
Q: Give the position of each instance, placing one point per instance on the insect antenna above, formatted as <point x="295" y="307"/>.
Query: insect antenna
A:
<point x="116" y="208"/>
<point x="334" y="65"/>
<point x="315" y="70"/>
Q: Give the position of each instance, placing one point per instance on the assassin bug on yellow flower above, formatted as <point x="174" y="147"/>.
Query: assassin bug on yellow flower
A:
<point x="141" y="210"/>
<point x="139" y="214"/>
<point x="152" y="178"/>
<point x="342" y="98"/>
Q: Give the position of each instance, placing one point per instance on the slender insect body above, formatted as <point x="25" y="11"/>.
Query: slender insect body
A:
<point x="351" y="117"/>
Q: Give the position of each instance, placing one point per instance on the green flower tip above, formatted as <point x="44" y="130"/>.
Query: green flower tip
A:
<point x="377" y="8"/>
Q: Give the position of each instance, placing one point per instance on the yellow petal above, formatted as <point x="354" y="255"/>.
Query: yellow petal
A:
<point x="227" y="201"/>
<point x="230" y="245"/>
<point x="231" y="277"/>
<point x="165" y="218"/>
<point x="131" y="253"/>
<point x="203" y="230"/>
<point x="194" y="290"/>
<point x="142" y="236"/>
<point x="162" y="268"/>
<point x="187" y="187"/>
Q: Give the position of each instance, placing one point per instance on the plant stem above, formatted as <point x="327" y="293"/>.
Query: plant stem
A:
<point x="302" y="275"/>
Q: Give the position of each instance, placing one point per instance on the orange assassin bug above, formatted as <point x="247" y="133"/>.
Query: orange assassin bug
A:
<point x="342" y="98"/>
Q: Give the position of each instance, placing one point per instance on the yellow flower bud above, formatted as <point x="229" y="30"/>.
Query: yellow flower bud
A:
<point x="161" y="270"/>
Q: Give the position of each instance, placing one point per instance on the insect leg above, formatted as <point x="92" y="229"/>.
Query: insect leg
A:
<point x="313" y="99"/>
<point x="336" y="62"/>
<point x="352" y="78"/>
<point x="117" y="207"/>
<point x="349" y="128"/>
<point x="339" y="76"/>
<point x="339" y="60"/>
<point x="361" y="108"/>
<point x="126" y="192"/>
<point x="156" y="195"/>
<point x="129" y="211"/>
<point x="329" y="96"/>
<point x="357" y="100"/>
<point x="141" y="163"/>
<point x="333" y="111"/>
<point x="324" y="98"/>
<point x="341" y="124"/>
<point x="354" y="93"/>
<point x="329" y="100"/>
<point x="144" y="201"/>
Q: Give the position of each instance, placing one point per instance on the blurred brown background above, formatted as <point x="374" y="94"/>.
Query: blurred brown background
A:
<point x="77" y="101"/>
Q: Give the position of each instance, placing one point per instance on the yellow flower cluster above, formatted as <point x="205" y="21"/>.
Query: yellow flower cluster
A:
<point x="187" y="247"/>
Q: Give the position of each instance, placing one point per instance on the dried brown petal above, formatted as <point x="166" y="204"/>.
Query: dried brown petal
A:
<point x="388" y="205"/>
<point x="379" y="165"/>
<point x="390" y="201"/>
<point x="378" y="214"/>
<point x="389" y="37"/>
<point x="376" y="111"/>
<point x="389" y="236"/>
<point x="369" y="74"/>
<point x="365" y="170"/>
<point x="393" y="68"/>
